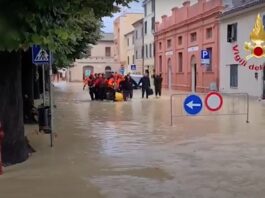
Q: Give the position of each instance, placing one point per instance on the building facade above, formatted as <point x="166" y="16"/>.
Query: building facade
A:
<point x="122" y="26"/>
<point x="149" y="29"/>
<point x="129" y="37"/>
<point x="179" y="40"/>
<point x="138" y="47"/>
<point x="164" y="7"/>
<point x="100" y="59"/>
<point x="240" y="71"/>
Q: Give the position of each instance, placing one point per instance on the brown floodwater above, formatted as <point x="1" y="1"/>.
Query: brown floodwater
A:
<point x="129" y="150"/>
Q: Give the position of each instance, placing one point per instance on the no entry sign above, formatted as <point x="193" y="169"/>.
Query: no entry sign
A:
<point x="214" y="101"/>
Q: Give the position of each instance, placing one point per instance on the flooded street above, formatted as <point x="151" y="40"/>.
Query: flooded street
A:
<point x="129" y="150"/>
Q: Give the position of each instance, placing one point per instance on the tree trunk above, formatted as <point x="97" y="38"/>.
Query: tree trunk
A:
<point x="27" y="75"/>
<point x="14" y="148"/>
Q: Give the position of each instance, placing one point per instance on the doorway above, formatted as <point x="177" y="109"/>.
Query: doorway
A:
<point x="87" y="71"/>
<point x="169" y="67"/>
<point x="193" y="74"/>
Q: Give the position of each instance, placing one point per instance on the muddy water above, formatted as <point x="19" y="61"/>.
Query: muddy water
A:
<point x="128" y="150"/>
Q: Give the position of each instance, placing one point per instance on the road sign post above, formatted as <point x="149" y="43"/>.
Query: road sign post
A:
<point x="214" y="101"/>
<point x="193" y="105"/>
<point x="43" y="57"/>
<point x="205" y="57"/>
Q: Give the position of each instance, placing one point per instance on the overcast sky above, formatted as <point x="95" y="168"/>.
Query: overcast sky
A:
<point x="135" y="7"/>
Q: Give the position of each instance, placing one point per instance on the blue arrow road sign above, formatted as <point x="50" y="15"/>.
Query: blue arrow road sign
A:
<point x="193" y="105"/>
<point x="40" y="56"/>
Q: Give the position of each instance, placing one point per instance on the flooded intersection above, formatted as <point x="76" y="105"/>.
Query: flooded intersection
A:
<point x="129" y="150"/>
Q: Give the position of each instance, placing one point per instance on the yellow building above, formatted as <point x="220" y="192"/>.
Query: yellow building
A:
<point x="122" y="26"/>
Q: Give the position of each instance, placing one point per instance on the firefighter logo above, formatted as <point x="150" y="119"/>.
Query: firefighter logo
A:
<point x="257" y="45"/>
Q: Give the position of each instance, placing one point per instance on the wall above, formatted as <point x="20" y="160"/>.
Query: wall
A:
<point x="138" y="44"/>
<point x="163" y="8"/>
<point x="197" y="18"/>
<point x="125" y="26"/>
<point x="246" y="78"/>
<point x="98" y="60"/>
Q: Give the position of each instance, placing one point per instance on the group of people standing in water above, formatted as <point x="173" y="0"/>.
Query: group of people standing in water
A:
<point x="107" y="88"/>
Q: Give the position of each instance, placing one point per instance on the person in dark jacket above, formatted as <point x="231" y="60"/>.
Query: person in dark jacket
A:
<point x="132" y="83"/>
<point x="145" y="80"/>
<point x="158" y="84"/>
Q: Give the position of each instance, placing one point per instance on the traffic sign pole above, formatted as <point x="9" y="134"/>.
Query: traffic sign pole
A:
<point x="51" y="102"/>
<point x="43" y="83"/>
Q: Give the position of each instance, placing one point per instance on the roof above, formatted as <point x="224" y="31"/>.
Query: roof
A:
<point x="131" y="32"/>
<point x="139" y="21"/>
<point x="240" y="5"/>
<point x="107" y="36"/>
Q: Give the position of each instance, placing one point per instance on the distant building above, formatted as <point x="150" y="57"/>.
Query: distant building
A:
<point x="237" y="74"/>
<point x="180" y="38"/>
<point x="122" y="26"/>
<point x="149" y="29"/>
<point x="100" y="59"/>
<point x="129" y="37"/>
<point x="138" y="47"/>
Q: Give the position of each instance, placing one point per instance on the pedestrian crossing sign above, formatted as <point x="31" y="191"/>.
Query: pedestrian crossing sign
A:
<point x="40" y="56"/>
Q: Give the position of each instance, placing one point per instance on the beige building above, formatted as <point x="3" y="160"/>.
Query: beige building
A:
<point x="100" y="59"/>
<point x="122" y="26"/>
<point x="129" y="37"/>
<point x="138" y="47"/>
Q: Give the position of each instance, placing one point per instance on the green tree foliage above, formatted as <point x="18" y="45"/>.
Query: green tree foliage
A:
<point x="63" y="26"/>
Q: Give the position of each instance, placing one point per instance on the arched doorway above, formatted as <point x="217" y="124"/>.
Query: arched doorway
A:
<point x="87" y="71"/>
<point x="107" y="69"/>
<point x="169" y="69"/>
<point x="193" y="73"/>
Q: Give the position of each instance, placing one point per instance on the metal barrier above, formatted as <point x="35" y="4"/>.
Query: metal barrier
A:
<point x="233" y="104"/>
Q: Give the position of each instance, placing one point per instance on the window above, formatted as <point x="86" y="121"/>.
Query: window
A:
<point x="107" y="51"/>
<point x="160" y="45"/>
<point x="133" y="59"/>
<point x="128" y="59"/>
<point x="153" y="23"/>
<point x="150" y="50"/>
<point x="209" y="67"/>
<point x="154" y="49"/>
<point x="169" y="43"/>
<point x="142" y="51"/>
<point x="128" y="41"/>
<point x="180" y="61"/>
<point x="136" y="34"/>
<point x="209" y="33"/>
<point x="145" y="10"/>
<point x="180" y="40"/>
<point x="193" y="36"/>
<point x="232" y="32"/>
<point x="132" y="39"/>
<point x="234" y="75"/>
<point x="160" y="64"/>
<point x="145" y="27"/>
<point x="136" y="54"/>
<point x="153" y="6"/>
<point x="146" y="51"/>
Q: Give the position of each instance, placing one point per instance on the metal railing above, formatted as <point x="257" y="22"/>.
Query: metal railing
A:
<point x="234" y="104"/>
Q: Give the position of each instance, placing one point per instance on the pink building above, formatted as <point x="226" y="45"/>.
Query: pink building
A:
<point x="179" y="40"/>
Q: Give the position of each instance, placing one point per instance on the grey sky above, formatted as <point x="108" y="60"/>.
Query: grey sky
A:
<point x="135" y="7"/>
